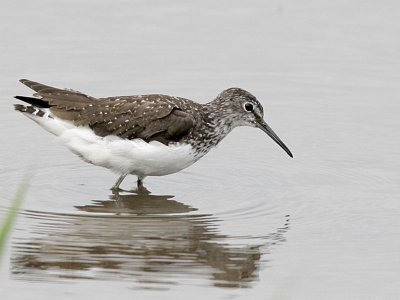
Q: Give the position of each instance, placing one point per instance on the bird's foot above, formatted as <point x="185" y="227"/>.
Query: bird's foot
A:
<point x="115" y="190"/>
<point x="142" y="190"/>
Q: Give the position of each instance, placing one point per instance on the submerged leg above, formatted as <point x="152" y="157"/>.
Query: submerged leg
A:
<point x="115" y="187"/>
<point x="141" y="189"/>
<point x="140" y="181"/>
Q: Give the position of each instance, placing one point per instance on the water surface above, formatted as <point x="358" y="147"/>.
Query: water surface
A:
<point x="246" y="221"/>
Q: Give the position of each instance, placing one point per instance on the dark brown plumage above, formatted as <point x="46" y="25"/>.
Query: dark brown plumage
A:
<point x="129" y="117"/>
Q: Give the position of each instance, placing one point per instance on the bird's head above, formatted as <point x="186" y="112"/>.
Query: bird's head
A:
<point x="245" y="110"/>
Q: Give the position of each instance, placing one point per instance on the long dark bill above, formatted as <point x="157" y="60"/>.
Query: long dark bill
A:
<point x="264" y="127"/>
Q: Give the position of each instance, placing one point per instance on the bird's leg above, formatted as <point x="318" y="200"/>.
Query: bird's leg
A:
<point x="140" y="181"/>
<point x="141" y="189"/>
<point x="115" y="188"/>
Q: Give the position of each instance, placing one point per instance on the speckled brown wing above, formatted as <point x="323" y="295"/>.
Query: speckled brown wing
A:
<point x="149" y="117"/>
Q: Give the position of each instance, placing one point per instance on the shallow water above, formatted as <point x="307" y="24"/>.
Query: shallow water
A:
<point x="246" y="221"/>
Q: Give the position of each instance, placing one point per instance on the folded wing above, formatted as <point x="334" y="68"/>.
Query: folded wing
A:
<point x="149" y="117"/>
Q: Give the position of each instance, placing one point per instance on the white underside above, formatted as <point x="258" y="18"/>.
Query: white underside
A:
<point x="120" y="155"/>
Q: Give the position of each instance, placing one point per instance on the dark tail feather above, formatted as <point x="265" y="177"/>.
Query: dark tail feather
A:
<point x="20" y="107"/>
<point x="33" y="110"/>
<point x="34" y="101"/>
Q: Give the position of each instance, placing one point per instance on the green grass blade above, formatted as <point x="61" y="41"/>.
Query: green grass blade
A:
<point x="6" y="227"/>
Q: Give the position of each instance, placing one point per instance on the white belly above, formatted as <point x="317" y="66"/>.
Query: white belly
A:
<point x="128" y="156"/>
<point x="120" y="155"/>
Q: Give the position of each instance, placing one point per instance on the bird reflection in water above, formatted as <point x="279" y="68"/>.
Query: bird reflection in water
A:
<point x="152" y="239"/>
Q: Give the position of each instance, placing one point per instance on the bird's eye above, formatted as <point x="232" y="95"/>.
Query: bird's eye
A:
<point x="248" y="107"/>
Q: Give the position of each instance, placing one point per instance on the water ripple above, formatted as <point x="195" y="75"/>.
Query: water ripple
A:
<point x="152" y="239"/>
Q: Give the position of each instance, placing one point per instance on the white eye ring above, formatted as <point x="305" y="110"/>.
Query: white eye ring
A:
<point x="248" y="107"/>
